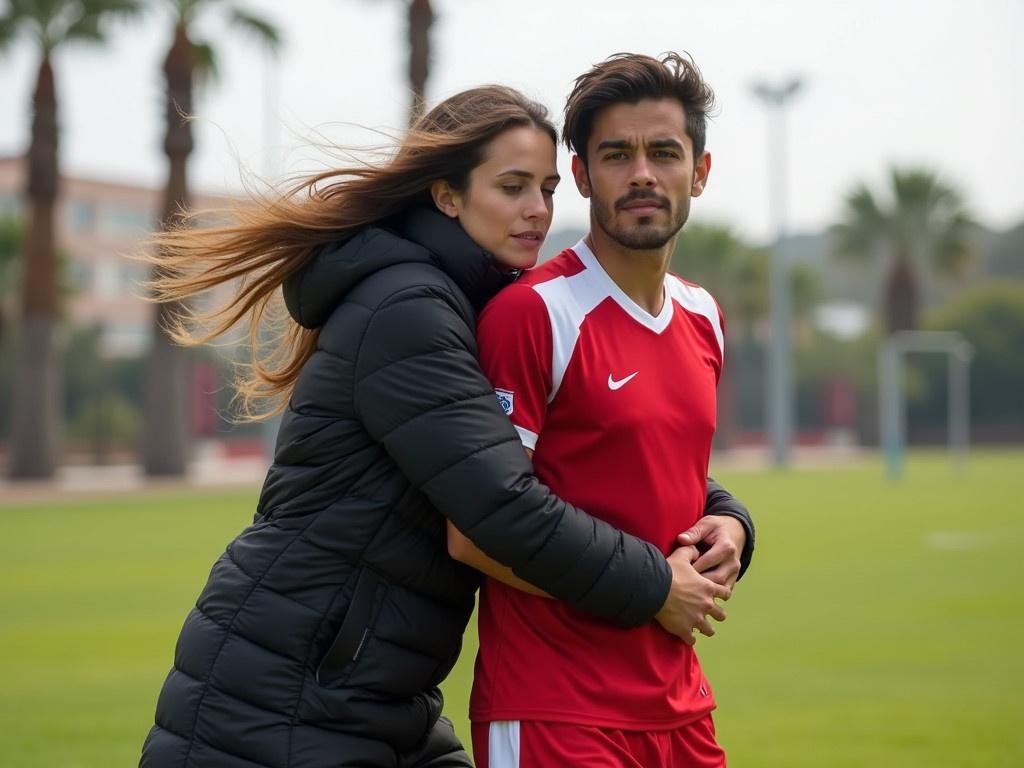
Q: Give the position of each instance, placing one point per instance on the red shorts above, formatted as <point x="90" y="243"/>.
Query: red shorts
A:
<point x="535" y="744"/>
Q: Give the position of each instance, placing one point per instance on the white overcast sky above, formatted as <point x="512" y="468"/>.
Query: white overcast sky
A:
<point x="935" y="82"/>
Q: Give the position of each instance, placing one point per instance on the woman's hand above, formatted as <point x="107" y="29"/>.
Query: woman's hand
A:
<point x="691" y="599"/>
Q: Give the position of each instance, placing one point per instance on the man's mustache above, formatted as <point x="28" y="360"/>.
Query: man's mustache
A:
<point x="640" y="194"/>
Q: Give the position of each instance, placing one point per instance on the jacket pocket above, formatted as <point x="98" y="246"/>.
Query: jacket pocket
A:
<point x="344" y="652"/>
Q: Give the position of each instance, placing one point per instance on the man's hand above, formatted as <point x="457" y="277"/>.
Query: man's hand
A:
<point x="691" y="598"/>
<point x="720" y="539"/>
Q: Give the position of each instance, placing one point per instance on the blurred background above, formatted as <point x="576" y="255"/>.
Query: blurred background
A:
<point x="863" y="230"/>
<point x="868" y="151"/>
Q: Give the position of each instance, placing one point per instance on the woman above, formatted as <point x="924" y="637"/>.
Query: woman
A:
<point x="325" y="628"/>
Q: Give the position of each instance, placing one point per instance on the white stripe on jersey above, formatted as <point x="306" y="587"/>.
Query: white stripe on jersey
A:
<point x="503" y="744"/>
<point x="695" y="299"/>
<point x="611" y="289"/>
<point x="529" y="438"/>
<point x="570" y="299"/>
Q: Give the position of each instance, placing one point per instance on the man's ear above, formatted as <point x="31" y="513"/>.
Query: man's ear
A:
<point x="580" y="174"/>
<point x="445" y="198"/>
<point x="700" y="174"/>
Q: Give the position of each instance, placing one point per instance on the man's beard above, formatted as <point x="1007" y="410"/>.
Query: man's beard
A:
<point x="645" y="234"/>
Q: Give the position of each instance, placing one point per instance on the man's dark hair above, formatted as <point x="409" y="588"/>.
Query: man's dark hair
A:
<point x="628" y="78"/>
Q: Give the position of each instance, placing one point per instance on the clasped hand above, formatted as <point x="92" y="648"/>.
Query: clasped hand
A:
<point x="704" y="569"/>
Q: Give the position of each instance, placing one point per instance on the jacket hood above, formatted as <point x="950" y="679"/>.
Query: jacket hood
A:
<point x="419" y="234"/>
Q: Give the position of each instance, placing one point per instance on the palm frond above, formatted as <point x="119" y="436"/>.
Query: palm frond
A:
<point x="864" y="225"/>
<point x="188" y="9"/>
<point x="204" y="59"/>
<point x="63" y="21"/>
<point x="261" y="28"/>
<point x="953" y="248"/>
<point x="8" y="30"/>
<point x="113" y="7"/>
<point x="84" y="30"/>
<point x="24" y="17"/>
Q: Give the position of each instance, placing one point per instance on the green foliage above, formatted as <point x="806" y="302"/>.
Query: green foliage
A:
<point x="1007" y="255"/>
<point x="106" y="421"/>
<point x="102" y="397"/>
<point x="924" y="217"/>
<point x="55" y="22"/>
<point x="821" y="356"/>
<point x="204" y="54"/>
<point x="923" y="225"/>
<point x="11" y="240"/>
<point x="991" y="317"/>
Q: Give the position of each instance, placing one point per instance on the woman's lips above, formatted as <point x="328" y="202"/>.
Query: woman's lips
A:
<point x="530" y="239"/>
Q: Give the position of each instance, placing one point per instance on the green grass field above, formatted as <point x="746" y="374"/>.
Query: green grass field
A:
<point x="881" y="624"/>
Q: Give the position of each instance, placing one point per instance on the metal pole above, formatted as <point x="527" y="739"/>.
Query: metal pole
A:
<point x="889" y="415"/>
<point x="779" y="402"/>
<point x="959" y="405"/>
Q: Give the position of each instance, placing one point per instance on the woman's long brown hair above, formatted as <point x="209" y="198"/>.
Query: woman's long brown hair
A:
<point x="271" y="238"/>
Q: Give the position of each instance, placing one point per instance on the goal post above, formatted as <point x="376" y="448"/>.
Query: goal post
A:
<point x="892" y="410"/>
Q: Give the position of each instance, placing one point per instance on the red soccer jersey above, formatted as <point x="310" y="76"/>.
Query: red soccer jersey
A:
<point x="619" y="407"/>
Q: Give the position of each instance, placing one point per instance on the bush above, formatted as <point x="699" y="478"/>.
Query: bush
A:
<point x="991" y="318"/>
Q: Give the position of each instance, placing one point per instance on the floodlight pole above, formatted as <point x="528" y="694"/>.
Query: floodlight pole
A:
<point x="779" y="403"/>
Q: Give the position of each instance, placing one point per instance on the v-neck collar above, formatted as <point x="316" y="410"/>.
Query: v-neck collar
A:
<point x="656" y="323"/>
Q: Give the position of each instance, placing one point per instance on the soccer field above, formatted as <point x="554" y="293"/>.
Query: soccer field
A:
<point x="880" y="625"/>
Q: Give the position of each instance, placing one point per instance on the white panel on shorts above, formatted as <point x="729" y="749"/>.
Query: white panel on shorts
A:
<point x="503" y="744"/>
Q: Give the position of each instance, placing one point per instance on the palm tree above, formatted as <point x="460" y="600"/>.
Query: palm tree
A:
<point x="166" y="417"/>
<point x="421" y="17"/>
<point x="50" y="24"/>
<point x="924" y="223"/>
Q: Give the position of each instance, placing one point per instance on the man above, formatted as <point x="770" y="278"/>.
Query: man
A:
<point x="607" y="366"/>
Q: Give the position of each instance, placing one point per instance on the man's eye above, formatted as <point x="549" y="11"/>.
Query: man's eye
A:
<point x="665" y="153"/>
<point x="615" y="156"/>
<point x="548" y="192"/>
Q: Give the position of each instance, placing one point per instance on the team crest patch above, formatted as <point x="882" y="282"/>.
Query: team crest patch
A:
<point x="507" y="400"/>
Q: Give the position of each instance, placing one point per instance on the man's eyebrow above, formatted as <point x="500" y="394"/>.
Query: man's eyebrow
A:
<point x="528" y="175"/>
<point x="615" y="144"/>
<point x="653" y="144"/>
<point x="666" y="144"/>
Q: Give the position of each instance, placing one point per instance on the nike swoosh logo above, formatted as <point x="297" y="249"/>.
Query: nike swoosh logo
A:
<point x="613" y="384"/>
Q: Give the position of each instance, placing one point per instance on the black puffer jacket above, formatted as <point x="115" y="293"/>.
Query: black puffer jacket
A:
<point x="327" y="625"/>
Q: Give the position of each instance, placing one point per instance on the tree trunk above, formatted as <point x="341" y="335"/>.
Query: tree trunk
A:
<point x="36" y="400"/>
<point x="901" y="297"/>
<point x="421" y="16"/>
<point x="166" y="422"/>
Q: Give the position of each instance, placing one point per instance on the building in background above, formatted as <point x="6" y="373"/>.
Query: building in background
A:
<point x="100" y="224"/>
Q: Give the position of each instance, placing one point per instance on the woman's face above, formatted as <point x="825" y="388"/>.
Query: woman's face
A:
<point x="506" y="206"/>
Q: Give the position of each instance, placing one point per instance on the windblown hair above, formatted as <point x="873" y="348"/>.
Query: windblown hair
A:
<point x="266" y="242"/>
<point x="626" y="78"/>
